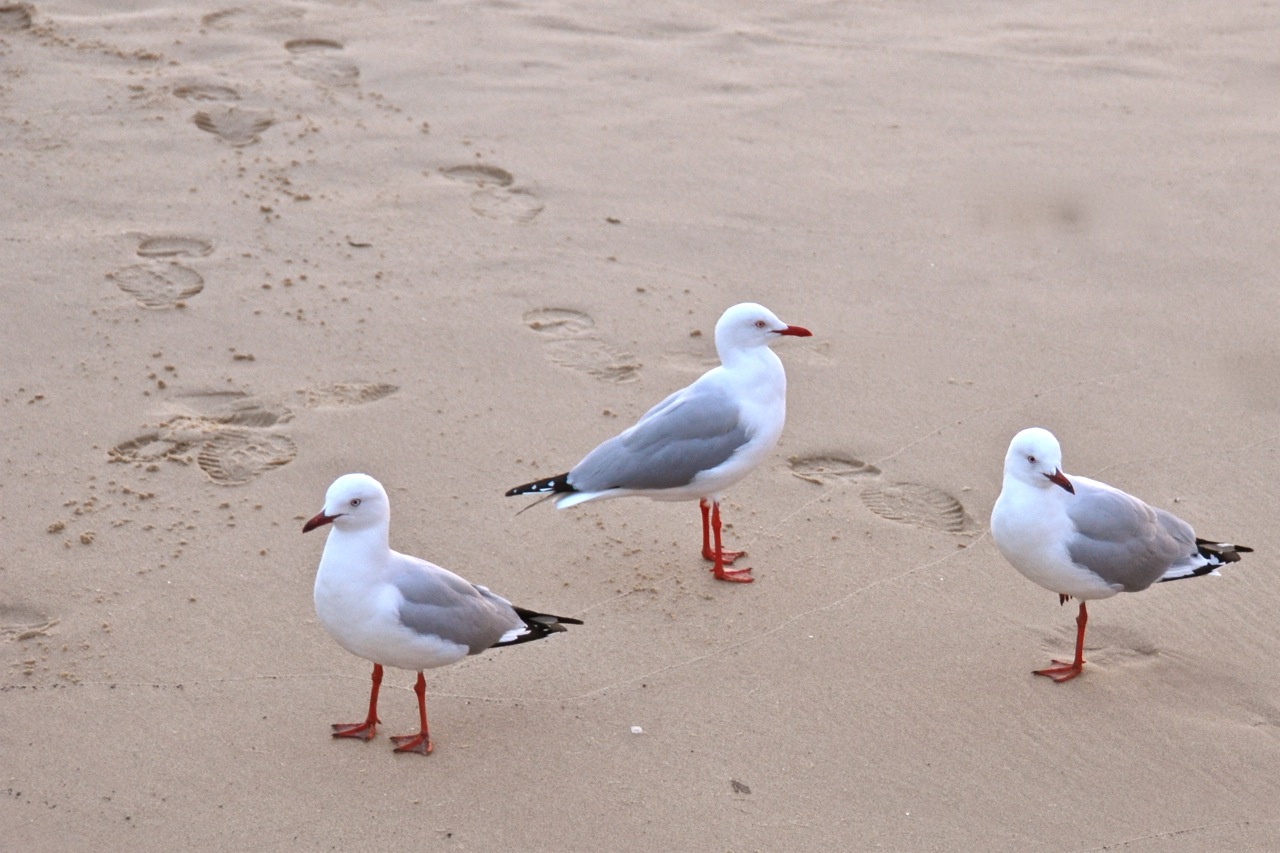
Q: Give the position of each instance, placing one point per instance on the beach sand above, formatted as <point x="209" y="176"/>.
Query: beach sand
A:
<point x="456" y="244"/>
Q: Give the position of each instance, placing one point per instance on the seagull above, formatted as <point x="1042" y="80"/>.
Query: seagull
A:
<point x="698" y="441"/>
<point x="1084" y="539"/>
<point x="397" y="610"/>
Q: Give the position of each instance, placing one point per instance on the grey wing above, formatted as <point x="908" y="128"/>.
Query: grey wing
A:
<point x="693" y="430"/>
<point x="1123" y="540"/>
<point x="436" y="601"/>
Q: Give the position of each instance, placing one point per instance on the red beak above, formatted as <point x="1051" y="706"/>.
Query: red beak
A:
<point x="320" y="519"/>
<point x="798" y="331"/>
<point x="1060" y="479"/>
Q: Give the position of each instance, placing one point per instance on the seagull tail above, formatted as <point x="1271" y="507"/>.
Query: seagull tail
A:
<point x="1212" y="556"/>
<point x="553" y="485"/>
<point x="536" y="627"/>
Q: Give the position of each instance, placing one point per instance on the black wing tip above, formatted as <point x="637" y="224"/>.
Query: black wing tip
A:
<point x="544" y="621"/>
<point x="540" y="625"/>
<point x="558" y="483"/>
<point x="1224" y="552"/>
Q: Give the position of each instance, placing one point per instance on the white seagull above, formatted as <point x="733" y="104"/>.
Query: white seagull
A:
<point x="397" y="610"/>
<point x="701" y="439"/>
<point x="1084" y="539"/>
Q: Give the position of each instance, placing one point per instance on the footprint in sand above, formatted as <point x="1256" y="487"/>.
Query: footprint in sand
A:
<point x="569" y="342"/>
<point x="173" y="246"/>
<point x="918" y="504"/>
<point x="311" y="45"/>
<point x="150" y="447"/>
<point x="15" y="17"/>
<point x="908" y="503"/>
<point x="233" y="125"/>
<point x="315" y="60"/>
<point x="479" y="174"/>
<point x="222" y="431"/>
<point x="28" y="630"/>
<point x="494" y="196"/>
<point x="343" y="394"/>
<point x="830" y="468"/>
<point x="205" y="92"/>
<point x="229" y="455"/>
<point x="237" y="454"/>
<point x="235" y="408"/>
<point x="219" y="19"/>
<point x="231" y="435"/>
<point x="21" y="622"/>
<point x="259" y="17"/>
<point x="176" y="439"/>
<point x="509" y="205"/>
<point x="166" y="286"/>
<point x="234" y="456"/>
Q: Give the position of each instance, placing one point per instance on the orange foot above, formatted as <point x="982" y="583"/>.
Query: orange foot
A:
<point x="418" y="743"/>
<point x="733" y="575"/>
<point x="726" y="557"/>
<point x="1061" y="671"/>
<point x="364" y="731"/>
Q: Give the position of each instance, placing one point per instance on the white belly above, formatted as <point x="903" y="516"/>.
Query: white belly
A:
<point x="365" y="620"/>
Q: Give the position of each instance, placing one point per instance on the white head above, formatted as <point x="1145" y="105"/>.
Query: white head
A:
<point x="749" y="325"/>
<point x="1035" y="458"/>
<point x="353" y="502"/>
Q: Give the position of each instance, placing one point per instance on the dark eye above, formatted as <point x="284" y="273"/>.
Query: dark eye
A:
<point x="1031" y="459"/>
<point x="355" y="502"/>
<point x="760" y="324"/>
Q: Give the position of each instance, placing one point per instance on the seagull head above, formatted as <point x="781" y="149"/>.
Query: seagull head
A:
<point x="749" y="325"/>
<point x="1035" y="458"/>
<point x="353" y="502"/>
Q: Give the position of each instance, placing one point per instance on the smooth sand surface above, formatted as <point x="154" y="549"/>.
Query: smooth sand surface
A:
<point x="251" y="247"/>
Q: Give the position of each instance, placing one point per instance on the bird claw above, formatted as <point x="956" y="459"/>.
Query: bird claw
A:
<point x="726" y="557"/>
<point x="734" y="575"/>
<point x="418" y="743"/>
<point x="1061" y="671"/>
<point x="364" y="731"/>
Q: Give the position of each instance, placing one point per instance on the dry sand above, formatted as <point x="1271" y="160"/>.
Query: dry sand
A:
<point x="249" y="248"/>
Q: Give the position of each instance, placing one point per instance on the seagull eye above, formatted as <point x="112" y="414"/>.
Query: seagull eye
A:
<point x="760" y="324"/>
<point x="355" y="502"/>
<point x="1031" y="459"/>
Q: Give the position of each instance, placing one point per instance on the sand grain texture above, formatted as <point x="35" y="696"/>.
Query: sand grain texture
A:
<point x="251" y="247"/>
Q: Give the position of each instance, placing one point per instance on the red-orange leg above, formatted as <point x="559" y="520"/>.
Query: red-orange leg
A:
<point x="367" y="729"/>
<point x="1062" y="671"/>
<point x="719" y="556"/>
<point x="726" y="557"/>
<point x="421" y="742"/>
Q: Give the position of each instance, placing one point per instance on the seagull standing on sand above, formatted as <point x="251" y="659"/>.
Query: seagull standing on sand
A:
<point x="397" y="610"/>
<point x="700" y="440"/>
<point x="1084" y="539"/>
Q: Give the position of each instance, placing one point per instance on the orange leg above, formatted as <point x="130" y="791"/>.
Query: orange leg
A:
<point x="719" y="556"/>
<point x="367" y="729"/>
<point x="421" y="742"/>
<point x="1062" y="671"/>
<point x="726" y="558"/>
